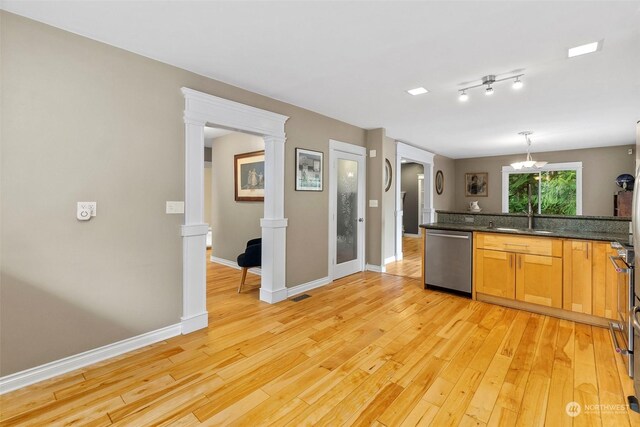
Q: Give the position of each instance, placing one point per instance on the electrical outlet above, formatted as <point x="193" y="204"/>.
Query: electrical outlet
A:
<point x="373" y="203"/>
<point x="372" y="153"/>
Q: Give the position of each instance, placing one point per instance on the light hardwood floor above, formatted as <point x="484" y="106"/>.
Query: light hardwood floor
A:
<point x="370" y="349"/>
<point x="410" y="265"/>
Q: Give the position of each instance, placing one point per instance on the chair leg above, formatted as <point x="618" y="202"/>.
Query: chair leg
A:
<point x="244" y="276"/>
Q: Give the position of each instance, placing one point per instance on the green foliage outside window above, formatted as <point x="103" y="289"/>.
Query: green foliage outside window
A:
<point x="557" y="193"/>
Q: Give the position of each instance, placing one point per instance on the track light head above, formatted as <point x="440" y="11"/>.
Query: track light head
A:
<point x="463" y="96"/>
<point x="517" y="84"/>
<point x="488" y="91"/>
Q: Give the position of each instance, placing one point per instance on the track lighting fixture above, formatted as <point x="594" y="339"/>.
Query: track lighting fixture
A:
<point x="487" y="82"/>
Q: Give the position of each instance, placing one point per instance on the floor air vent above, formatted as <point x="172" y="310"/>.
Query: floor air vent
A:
<point x="301" y="297"/>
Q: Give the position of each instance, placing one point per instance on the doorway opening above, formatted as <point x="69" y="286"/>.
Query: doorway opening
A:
<point x="204" y="110"/>
<point x="234" y="161"/>
<point x="414" y="206"/>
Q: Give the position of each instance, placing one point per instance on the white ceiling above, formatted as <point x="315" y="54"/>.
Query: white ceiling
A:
<point x="354" y="60"/>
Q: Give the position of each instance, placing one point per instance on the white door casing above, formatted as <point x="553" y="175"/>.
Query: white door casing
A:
<point x="417" y="155"/>
<point x="203" y="109"/>
<point x="347" y="151"/>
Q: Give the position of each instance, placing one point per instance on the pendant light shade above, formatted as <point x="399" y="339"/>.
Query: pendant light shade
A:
<point x="528" y="163"/>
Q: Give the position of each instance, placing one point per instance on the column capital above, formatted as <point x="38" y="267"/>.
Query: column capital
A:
<point x="191" y="118"/>
<point x="272" y="138"/>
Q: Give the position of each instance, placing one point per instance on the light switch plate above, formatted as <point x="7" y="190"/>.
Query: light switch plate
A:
<point x="372" y="153"/>
<point x="175" y="207"/>
<point x="373" y="203"/>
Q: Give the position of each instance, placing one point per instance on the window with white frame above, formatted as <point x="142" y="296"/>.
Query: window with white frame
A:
<point x="556" y="189"/>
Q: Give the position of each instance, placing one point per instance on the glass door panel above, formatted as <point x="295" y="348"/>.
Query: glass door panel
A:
<point x="347" y="211"/>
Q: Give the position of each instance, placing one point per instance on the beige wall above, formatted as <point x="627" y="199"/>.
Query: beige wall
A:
<point x="600" y="167"/>
<point x="375" y="190"/>
<point x="389" y="200"/>
<point x="82" y="117"/>
<point x="446" y="200"/>
<point x="232" y="223"/>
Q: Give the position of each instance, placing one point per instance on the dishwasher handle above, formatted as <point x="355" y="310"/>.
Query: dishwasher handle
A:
<point x="619" y="269"/>
<point x="451" y="236"/>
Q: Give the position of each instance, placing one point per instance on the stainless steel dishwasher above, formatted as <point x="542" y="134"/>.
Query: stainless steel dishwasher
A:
<point x="447" y="260"/>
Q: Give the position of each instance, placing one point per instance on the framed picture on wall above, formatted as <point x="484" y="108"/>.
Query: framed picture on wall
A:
<point x="248" y="169"/>
<point x="308" y="170"/>
<point x="476" y="184"/>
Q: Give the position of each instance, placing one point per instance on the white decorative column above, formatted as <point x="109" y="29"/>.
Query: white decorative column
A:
<point x="201" y="109"/>
<point x="274" y="224"/>
<point x="194" y="230"/>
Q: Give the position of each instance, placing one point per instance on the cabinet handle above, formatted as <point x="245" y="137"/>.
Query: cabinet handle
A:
<point x="510" y="260"/>
<point x="587" y="251"/>
<point x="520" y="262"/>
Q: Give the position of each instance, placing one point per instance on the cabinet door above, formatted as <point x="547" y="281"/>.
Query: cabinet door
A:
<point x="495" y="273"/>
<point x="577" y="276"/>
<point x="604" y="281"/>
<point x="539" y="280"/>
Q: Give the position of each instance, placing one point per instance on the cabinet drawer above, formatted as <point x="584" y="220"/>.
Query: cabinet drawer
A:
<point x="546" y="246"/>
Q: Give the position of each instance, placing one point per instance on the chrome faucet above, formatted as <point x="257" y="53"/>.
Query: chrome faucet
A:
<point x="529" y="211"/>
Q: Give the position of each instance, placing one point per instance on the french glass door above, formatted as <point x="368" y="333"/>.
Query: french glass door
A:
<point x="348" y="194"/>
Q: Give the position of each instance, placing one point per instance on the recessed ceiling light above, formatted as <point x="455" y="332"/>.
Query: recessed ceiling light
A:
<point x="583" y="49"/>
<point x="417" y="91"/>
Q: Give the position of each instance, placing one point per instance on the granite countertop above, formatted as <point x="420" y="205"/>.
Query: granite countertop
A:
<point x="578" y="217"/>
<point x="565" y="234"/>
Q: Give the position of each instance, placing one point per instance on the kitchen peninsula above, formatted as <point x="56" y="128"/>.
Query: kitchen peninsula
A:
<point x="560" y="267"/>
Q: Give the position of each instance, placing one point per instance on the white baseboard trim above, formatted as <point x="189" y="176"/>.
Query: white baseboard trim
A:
<point x="376" y="268"/>
<point x="390" y="260"/>
<point x="195" y="322"/>
<point x="58" y="367"/>
<point x="256" y="270"/>
<point x="273" y="297"/>
<point x="308" y="286"/>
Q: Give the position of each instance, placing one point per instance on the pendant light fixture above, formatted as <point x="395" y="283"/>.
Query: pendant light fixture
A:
<point x="528" y="163"/>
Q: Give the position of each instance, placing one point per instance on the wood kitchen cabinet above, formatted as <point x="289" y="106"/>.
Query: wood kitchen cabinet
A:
<point x="539" y="280"/>
<point x="604" y="281"/>
<point x="495" y="273"/>
<point x="578" y="273"/>
<point x="568" y="278"/>
<point x="519" y="268"/>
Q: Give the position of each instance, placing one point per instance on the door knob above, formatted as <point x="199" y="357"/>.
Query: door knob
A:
<point x="360" y="219"/>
